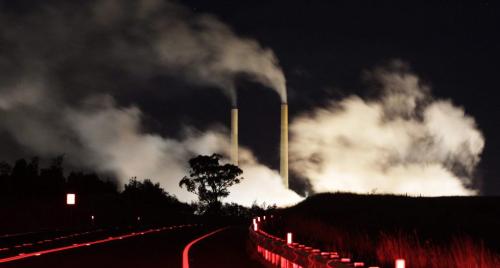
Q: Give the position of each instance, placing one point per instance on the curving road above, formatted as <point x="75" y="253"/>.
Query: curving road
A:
<point x="226" y="248"/>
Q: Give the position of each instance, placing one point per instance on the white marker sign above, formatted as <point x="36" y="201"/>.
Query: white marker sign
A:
<point x="70" y="199"/>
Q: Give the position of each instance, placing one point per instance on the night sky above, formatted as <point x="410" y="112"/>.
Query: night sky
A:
<point x="324" y="48"/>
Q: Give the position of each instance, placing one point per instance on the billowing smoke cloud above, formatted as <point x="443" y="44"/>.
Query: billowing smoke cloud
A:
<point x="207" y="50"/>
<point x="80" y="44"/>
<point x="113" y="140"/>
<point x="402" y="142"/>
<point x="199" y="47"/>
<point x="62" y="65"/>
<point x="99" y="135"/>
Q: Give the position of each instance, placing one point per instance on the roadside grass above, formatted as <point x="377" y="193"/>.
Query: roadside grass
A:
<point x="433" y="239"/>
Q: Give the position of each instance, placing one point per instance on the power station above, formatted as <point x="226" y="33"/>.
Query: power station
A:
<point x="284" y="144"/>
<point x="283" y="141"/>
<point x="234" y="136"/>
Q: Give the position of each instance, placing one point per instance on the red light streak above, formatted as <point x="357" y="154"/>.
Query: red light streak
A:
<point x="276" y="259"/>
<point x="106" y="240"/>
<point x="295" y="253"/>
<point x="185" y="252"/>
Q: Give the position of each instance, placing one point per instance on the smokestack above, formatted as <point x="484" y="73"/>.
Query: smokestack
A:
<point x="234" y="136"/>
<point x="284" y="144"/>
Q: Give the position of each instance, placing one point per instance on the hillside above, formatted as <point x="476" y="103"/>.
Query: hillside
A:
<point x="383" y="227"/>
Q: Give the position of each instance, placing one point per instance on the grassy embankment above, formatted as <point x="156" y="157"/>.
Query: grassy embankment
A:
<point x="427" y="232"/>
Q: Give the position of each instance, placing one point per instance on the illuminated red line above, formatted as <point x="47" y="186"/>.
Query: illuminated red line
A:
<point x="38" y="253"/>
<point x="185" y="252"/>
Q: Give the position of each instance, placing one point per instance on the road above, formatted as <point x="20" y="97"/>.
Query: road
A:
<point x="225" y="249"/>
<point x="159" y="249"/>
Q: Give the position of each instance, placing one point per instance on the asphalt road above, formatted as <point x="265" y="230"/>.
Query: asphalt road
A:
<point x="160" y="249"/>
<point x="225" y="249"/>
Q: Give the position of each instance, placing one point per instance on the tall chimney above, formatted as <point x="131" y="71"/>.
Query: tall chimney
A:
<point x="234" y="136"/>
<point x="284" y="144"/>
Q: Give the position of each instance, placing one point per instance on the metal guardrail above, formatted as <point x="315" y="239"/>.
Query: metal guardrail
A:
<point x="278" y="252"/>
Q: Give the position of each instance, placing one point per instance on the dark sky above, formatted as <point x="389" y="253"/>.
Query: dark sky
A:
<point x="324" y="47"/>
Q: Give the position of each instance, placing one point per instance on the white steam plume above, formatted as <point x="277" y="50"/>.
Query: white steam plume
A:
<point x="102" y="136"/>
<point x="197" y="46"/>
<point x="205" y="49"/>
<point x="63" y="52"/>
<point x="115" y="144"/>
<point x="403" y="142"/>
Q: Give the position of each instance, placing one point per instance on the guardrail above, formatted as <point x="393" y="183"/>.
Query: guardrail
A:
<point x="278" y="252"/>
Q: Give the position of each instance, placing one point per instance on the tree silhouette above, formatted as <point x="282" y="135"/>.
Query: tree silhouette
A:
<point x="89" y="184"/>
<point x="151" y="202"/>
<point x="210" y="180"/>
<point x="53" y="180"/>
<point x="5" y="170"/>
<point x="145" y="191"/>
<point x="31" y="179"/>
<point x="19" y="177"/>
<point x="39" y="190"/>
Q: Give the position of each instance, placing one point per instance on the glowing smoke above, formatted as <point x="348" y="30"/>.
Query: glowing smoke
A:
<point x="115" y="143"/>
<point x="59" y="67"/>
<point x="402" y="142"/>
<point x="204" y="49"/>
